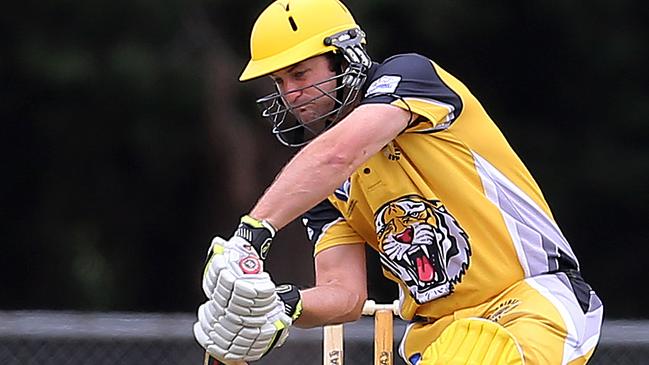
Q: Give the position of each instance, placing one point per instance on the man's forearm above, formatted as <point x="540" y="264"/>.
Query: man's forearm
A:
<point x="329" y="304"/>
<point x="313" y="174"/>
<point x="320" y="167"/>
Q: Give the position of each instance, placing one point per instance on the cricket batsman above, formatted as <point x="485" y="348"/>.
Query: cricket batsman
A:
<point x="400" y="156"/>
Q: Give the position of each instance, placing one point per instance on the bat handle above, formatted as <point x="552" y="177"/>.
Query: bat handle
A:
<point x="209" y="360"/>
<point x="383" y="337"/>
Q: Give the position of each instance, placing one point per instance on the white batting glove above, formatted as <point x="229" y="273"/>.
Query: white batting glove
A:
<point x="243" y="254"/>
<point x="228" y="335"/>
<point x="232" y="259"/>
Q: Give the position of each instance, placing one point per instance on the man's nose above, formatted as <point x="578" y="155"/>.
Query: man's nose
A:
<point x="292" y="93"/>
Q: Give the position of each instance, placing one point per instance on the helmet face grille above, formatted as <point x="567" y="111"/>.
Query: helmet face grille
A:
<point x="287" y="125"/>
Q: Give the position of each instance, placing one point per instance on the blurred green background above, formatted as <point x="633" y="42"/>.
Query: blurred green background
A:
<point x="127" y="141"/>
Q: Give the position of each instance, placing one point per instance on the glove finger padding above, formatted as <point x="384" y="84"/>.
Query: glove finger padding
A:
<point x="224" y="332"/>
<point x="282" y="317"/>
<point x="237" y="332"/>
<point x="201" y="336"/>
<point x="217" y="351"/>
<point x="254" y="286"/>
<point x="250" y="310"/>
<point x="251" y="344"/>
<point x="209" y="311"/>
<point x="213" y="267"/>
<point x="235" y="257"/>
<point x="247" y="321"/>
<point x="245" y="296"/>
<point x="275" y="334"/>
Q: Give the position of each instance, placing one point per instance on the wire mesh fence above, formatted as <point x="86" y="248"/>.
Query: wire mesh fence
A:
<point x="65" y="338"/>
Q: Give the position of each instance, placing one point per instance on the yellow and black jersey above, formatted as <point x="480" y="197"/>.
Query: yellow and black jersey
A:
<point x="454" y="214"/>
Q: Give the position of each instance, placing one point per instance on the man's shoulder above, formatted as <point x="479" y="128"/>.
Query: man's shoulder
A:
<point x="405" y="57"/>
<point x="397" y="70"/>
<point x="404" y="63"/>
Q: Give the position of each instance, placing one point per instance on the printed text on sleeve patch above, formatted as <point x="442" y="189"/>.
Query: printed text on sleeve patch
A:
<point x="383" y="85"/>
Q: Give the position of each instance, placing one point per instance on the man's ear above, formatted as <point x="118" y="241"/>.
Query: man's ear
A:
<point x="336" y="61"/>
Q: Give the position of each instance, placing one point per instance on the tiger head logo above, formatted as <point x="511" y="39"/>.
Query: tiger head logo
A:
<point x="423" y="245"/>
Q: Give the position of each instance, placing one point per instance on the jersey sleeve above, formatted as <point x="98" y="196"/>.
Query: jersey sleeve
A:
<point x="411" y="81"/>
<point x="326" y="227"/>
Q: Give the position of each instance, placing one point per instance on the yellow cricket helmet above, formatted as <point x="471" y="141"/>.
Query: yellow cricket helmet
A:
<point x="290" y="31"/>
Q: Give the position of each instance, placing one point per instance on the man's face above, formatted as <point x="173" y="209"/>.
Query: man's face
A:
<point x="295" y="83"/>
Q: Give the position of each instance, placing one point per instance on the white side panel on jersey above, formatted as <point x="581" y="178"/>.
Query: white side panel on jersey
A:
<point x="583" y="329"/>
<point x="536" y="237"/>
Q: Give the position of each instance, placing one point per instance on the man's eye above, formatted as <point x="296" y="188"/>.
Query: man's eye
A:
<point x="298" y="74"/>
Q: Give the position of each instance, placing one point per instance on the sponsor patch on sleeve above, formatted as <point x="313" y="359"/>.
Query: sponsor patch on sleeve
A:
<point x="383" y="85"/>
